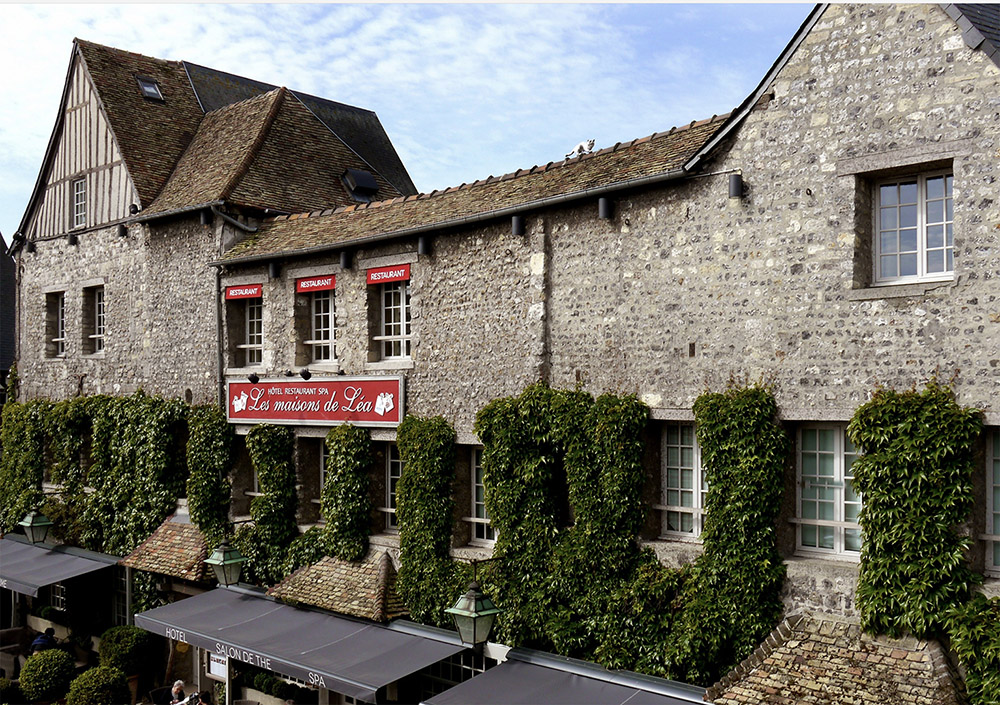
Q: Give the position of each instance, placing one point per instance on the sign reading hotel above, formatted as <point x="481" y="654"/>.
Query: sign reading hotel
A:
<point x="363" y="401"/>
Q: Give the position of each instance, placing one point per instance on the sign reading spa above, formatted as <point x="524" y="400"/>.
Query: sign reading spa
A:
<point x="363" y="401"/>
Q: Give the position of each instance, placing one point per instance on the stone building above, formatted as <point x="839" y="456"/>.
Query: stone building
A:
<point x="831" y="234"/>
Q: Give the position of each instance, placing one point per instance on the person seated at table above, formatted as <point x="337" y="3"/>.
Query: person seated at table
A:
<point x="43" y="641"/>
<point x="177" y="693"/>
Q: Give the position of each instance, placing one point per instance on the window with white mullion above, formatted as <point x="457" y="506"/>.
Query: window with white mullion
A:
<point x="828" y="505"/>
<point x="395" y="329"/>
<point x="322" y="466"/>
<point x="393" y="471"/>
<point x="684" y="487"/>
<point x="79" y="203"/>
<point x="993" y="503"/>
<point x="98" y="335"/>
<point x="914" y="225"/>
<point x="253" y="340"/>
<point x="323" y="334"/>
<point x="482" y="529"/>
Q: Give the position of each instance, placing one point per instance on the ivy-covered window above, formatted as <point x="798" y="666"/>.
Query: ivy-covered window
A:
<point x="993" y="504"/>
<point x="683" y="484"/>
<point x="828" y="506"/>
<point x="482" y="530"/>
<point x="322" y="467"/>
<point x="393" y="471"/>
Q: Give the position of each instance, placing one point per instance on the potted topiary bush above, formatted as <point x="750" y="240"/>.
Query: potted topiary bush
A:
<point x="128" y="649"/>
<point x="47" y="674"/>
<point x="103" y="685"/>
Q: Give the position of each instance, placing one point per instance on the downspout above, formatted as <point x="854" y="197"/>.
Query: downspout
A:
<point x="220" y="370"/>
<point x="232" y="221"/>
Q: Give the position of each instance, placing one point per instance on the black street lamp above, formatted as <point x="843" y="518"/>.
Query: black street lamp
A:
<point x="474" y="614"/>
<point x="227" y="562"/>
<point x="36" y="526"/>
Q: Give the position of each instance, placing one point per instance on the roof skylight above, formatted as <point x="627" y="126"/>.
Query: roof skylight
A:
<point x="149" y="88"/>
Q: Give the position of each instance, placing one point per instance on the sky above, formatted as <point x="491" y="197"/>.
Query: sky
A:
<point x="464" y="91"/>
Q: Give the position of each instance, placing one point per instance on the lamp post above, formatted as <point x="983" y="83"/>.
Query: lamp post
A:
<point x="36" y="526"/>
<point x="227" y="562"/>
<point x="474" y="613"/>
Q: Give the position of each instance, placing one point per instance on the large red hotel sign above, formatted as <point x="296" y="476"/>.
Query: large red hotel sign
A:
<point x="363" y="401"/>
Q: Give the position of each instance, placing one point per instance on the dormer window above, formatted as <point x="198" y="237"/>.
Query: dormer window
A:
<point x="149" y="88"/>
<point x="360" y="184"/>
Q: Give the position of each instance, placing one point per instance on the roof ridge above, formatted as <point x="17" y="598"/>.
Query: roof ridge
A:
<point x="536" y="169"/>
<point x="124" y="51"/>
<point x="258" y="142"/>
<point x="386" y="570"/>
<point x="778" y="636"/>
<point x="246" y="101"/>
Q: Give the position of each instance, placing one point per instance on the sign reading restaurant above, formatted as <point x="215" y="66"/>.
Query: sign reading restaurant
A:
<point x="363" y="401"/>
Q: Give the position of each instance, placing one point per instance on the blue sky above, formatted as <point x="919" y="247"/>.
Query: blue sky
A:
<point x="463" y="90"/>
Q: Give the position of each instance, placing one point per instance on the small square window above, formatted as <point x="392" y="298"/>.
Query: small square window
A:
<point x="149" y="88"/>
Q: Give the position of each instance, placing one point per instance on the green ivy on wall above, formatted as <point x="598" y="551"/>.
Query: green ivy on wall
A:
<point x="428" y="581"/>
<point x="916" y="480"/>
<point x="22" y="465"/>
<point x="266" y="541"/>
<point x="974" y="632"/>
<point x="209" y="459"/>
<point x="346" y="503"/>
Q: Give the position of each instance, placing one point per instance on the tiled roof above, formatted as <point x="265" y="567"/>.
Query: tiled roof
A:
<point x="175" y="549"/>
<point x="266" y="152"/>
<point x="658" y="154"/>
<point x="814" y="658"/>
<point x="357" y="127"/>
<point x="980" y="25"/>
<point x="365" y="588"/>
<point x="151" y="134"/>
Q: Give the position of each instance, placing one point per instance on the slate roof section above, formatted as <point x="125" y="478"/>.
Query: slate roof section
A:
<point x="661" y="154"/>
<point x="819" y="658"/>
<point x="357" y="127"/>
<point x="365" y="588"/>
<point x="980" y="25"/>
<point x="151" y="134"/>
<point x="175" y="549"/>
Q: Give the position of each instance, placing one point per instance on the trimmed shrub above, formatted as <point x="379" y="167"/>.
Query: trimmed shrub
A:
<point x="126" y="648"/>
<point x="47" y="674"/>
<point x="103" y="685"/>
<point x="10" y="692"/>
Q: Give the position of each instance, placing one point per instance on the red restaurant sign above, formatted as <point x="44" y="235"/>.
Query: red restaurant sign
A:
<point x="382" y="275"/>
<point x="245" y="291"/>
<point x="323" y="283"/>
<point x="364" y="401"/>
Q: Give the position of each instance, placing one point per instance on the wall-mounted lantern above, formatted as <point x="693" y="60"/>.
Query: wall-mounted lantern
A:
<point x="736" y="186"/>
<point x="474" y="614"/>
<point x="227" y="562"/>
<point x="36" y="526"/>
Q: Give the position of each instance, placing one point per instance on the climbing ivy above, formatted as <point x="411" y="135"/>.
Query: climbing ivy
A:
<point x="974" y="632"/>
<point x="730" y="601"/>
<point x="916" y="479"/>
<point x="266" y="541"/>
<point x="22" y="463"/>
<point x="346" y="504"/>
<point x="209" y="448"/>
<point x="428" y="580"/>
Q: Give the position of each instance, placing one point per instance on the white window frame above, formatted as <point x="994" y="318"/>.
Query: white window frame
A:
<point x="674" y="511"/>
<point x="922" y="227"/>
<point x="58" y="323"/>
<point x="120" y="615"/>
<point x="837" y="527"/>
<point x="97" y="301"/>
<point x="322" y="322"/>
<point x="322" y="466"/>
<point x="393" y="471"/>
<point x="149" y="88"/>
<point x="57" y="596"/>
<point x="253" y="332"/>
<point x="483" y="533"/>
<point x="79" y="188"/>
<point x="992" y="535"/>
<point x="394" y="320"/>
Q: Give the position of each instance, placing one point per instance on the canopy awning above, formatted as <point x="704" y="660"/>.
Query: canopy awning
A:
<point x="342" y="654"/>
<point x="27" y="568"/>
<point x="529" y="677"/>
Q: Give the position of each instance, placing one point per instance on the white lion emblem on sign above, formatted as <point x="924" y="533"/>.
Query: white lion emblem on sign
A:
<point x="384" y="404"/>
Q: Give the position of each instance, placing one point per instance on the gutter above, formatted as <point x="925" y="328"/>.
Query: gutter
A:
<point x="672" y="175"/>
<point x="176" y="211"/>
<point x="232" y="221"/>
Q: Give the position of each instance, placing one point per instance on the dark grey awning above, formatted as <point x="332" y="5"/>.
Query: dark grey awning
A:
<point x="528" y="678"/>
<point x="27" y="568"/>
<point x="338" y="653"/>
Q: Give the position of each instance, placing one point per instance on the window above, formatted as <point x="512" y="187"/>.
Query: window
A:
<point x="394" y="332"/>
<point x="93" y="320"/>
<point x="245" y="321"/>
<point x="323" y="315"/>
<point x="322" y="466"/>
<point x="684" y="487"/>
<point x="445" y="674"/>
<point x="55" y="324"/>
<point x="828" y="506"/>
<point x="393" y="471"/>
<point x="57" y="596"/>
<point x="993" y="504"/>
<point x="149" y="88"/>
<point x="120" y="616"/>
<point x="253" y="341"/>
<point x="914" y="229"/>
<point x="79" y="203"/>
<point x="482" y="530"/>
